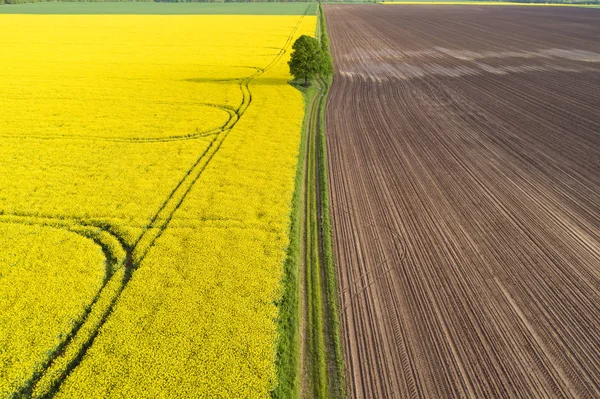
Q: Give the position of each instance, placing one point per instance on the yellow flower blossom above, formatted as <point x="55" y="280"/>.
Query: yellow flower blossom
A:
<point x="148" y="165"/>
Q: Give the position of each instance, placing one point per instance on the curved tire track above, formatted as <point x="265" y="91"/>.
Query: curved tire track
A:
<point x="112" y="263"/>
<point x="229" y="110"/>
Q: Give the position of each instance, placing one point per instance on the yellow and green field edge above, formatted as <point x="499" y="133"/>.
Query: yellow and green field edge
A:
<point x="310" y="263"/>
<point x="334" y="350"/>
<point x="288" y="350"/>
<point x="289" y="353"/>
<point x="488" y="3"/>
<point x="323" y="334"/>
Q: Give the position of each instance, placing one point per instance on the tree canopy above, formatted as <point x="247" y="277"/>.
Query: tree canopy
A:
<point x="308" y="59"/>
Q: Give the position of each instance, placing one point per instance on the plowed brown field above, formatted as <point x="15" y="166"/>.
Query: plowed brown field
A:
<point x="464" y="161"/>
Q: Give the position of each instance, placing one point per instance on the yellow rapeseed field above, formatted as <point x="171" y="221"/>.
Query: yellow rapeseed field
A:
<point x="147" y="168"/>
<point x="66" y="271"/>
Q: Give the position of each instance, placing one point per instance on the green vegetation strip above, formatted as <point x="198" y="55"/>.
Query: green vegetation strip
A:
<point x="335" y="348"/>
<point x="326" y="264"/>
<point x="314" y="288"/>
<point x="288" y="351"/>
<point x="152" y="8"/>
<point x="324" y="345"/>
<point x="310" y="261"/>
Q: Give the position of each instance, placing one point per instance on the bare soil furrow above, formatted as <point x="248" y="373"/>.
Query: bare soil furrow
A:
<point x="464" y="168"/>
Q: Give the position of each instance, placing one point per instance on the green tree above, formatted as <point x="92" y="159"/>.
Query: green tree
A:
<point x="307" y="59"/>
<point x="326" y="61"/>
<point x="327" y="68"/>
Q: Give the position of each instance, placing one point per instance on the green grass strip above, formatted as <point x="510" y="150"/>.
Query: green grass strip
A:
<point x="314" y="286"/>
<point x="310" y="221"/>
<point x="327" y="246"/>
<point x="153" y="8"/>
<point x="288" y="351"/>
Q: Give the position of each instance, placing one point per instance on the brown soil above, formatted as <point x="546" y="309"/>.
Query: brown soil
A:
<point x="464" y="161"/>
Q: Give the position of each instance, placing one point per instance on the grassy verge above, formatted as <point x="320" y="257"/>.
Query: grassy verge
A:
<point x="314" y="288"/>
<point x="288" y="351"/>
<point x="335" y="354"/>
<point x="335" y="350"/>
<point x="309" y="320"/>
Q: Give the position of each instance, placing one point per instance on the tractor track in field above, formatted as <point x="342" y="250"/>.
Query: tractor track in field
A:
<point x="305" y="386"/>
<point x="463" y="159"/>
<point x="136" y="252"/>
<point x="320" y="353"/>
<point x="311" y="321"/>
<point x="333" y="388"/>
<point x="112" y="263"/>
<point x="231" y="111"/>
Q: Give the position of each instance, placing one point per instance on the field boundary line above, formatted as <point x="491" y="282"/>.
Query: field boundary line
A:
<point x="322" y="349"/>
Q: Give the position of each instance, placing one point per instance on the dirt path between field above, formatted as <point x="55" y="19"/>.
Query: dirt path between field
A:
<point x="319" y="378"/>
<point x="464" y="161"/>
<point x="305" y="380"/>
